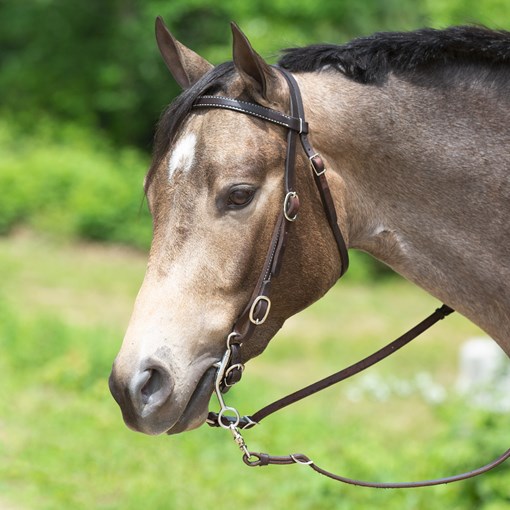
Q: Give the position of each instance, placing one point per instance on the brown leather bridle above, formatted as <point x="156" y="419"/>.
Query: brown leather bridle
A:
<point x="230" y="368"/>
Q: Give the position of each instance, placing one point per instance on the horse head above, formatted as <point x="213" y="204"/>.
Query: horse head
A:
<point x="215" y="190"/>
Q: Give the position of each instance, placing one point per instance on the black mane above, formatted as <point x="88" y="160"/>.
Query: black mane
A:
<point x="367" y="60"/>
<point x="370" y="59"/>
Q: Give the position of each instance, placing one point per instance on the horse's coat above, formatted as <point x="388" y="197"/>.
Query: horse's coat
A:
<point x="414" y="130"/>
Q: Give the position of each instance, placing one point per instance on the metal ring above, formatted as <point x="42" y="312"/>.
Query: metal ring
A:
<point x="237" y="417"/>
<point x="230" y="337"/>
<point x="237" y="366"/>
<point x="290" y="194"/>
<point x="252" y="310"/>
<point x="249" y="423"/>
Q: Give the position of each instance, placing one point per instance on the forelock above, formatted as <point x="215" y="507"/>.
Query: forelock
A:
<point x="170" y="122"/>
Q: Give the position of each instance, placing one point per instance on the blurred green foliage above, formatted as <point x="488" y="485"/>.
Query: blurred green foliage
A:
<point x="64" y="446"/>
<point x="82" y="85"/>
<point x="96" y="62"/>
<point x="59" y="179"/>
<point x="83" y="457"/>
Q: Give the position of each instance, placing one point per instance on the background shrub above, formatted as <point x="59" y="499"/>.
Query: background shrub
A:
<point x="63" y="180"/>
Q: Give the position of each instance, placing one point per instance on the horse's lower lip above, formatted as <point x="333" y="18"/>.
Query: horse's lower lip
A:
<point x="196" y="410"/>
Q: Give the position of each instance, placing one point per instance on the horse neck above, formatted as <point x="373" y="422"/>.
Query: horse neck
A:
<point x="419" y="178"/>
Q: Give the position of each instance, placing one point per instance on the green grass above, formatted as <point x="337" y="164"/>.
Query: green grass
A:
<point x="63" y="310"/>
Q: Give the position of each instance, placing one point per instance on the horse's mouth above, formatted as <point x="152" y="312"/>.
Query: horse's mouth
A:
<point x="197" y="407"/>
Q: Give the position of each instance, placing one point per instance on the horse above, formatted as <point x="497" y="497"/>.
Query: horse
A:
<point x="413" y="131"/>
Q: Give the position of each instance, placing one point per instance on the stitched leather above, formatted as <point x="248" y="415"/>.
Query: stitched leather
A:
<point x="257" y="307"/>
<point x="254" y="109"/>
<point x="297" y="126"/>
<point x="346" y="373"/>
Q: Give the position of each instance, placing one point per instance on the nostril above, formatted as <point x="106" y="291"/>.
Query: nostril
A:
<point x="153" y="385"/>
<point x="150" y="389"/>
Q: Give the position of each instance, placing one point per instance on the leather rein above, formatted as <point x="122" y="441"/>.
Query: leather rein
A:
<point x="230" y="368"/>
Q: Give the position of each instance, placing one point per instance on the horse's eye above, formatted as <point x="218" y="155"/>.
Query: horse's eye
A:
<point x="240" y="197"/>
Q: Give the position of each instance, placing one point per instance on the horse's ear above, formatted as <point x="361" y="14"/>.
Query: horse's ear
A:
<point x="185" y="65"/>
<point x="260" y="77"/>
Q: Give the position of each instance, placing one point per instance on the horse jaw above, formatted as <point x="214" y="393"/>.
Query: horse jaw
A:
<point x="202" y="269"/>
<point x="205" y="261"/>
<point x="163" y="375"/>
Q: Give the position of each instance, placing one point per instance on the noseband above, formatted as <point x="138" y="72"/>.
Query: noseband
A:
<point x="230" y="368"/>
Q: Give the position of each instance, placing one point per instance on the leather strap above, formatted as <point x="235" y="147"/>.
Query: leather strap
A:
<point x="257" y="309"/>
<point x="264" y="459"/>
<point x="247" y="422"/>
<point x="295" y="123"/>
<point x="253" y="459"/>
<point x="319" y="174"/>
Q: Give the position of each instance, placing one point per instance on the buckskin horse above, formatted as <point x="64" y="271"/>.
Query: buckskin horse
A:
<point x="413" y="129"/>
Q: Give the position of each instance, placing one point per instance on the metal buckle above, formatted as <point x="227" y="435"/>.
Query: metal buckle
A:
<point x="228" y="417"/>
<point x="318" y="174"/>
<point x="229" y="340"/>
<point x="237" y="366"/>
<point x="290" y="194"/>
<point x="255" y="320"/>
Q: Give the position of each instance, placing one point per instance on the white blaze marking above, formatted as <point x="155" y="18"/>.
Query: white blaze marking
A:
<point x="183" y="154"/>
